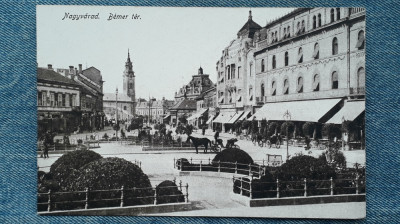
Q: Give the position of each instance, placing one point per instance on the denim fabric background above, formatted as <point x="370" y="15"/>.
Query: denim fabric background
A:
<point x="18" y="109"/>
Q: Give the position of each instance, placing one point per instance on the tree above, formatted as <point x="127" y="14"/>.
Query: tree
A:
<point x="287" y="126"/>
<point x="136" y="123"/>
<point x="264" y="127"/>
<point x="182" y="119"/>
<point x="308" y="128"/>
<point x="272" y="128"/>
<point x="188" y="129"/>
<point x="331" y="131"/>
<point x="254" y="126"/>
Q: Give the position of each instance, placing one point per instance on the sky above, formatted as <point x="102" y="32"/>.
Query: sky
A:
<point x="167" y="44"/>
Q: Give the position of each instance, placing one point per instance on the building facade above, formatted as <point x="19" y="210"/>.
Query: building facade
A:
<point x="310" y="58"/>
<point x="155" y="110"/>
<point x="122" y="104"/>
<point x="199" y="83"/>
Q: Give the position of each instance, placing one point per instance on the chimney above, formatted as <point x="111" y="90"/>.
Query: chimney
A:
<point x="71" y="72"/>
<point x="49" y="66"/>
<point x="80" y="68"/>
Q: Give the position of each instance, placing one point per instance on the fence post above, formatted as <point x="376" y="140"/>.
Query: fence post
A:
<point x="49" y="202"/>
<point x="191" y="160"/>
<point x="155" y="195"/>
<point x="263" y="163"/>
<point x="180" y="185"/>
<point x="251" y="188"/>
<point x="209" y="161"/>
<point x="87" y="198"/>
<point x="174" y="163"/>
<point x="305" y="187"/>
<point x="241" y="186"/>
<point x="219" y="165"/>
<point x="277" y="188"/>
<point x="249" y="168"/>
<point x="331" y="186"/>
<point x="187" y="193"/>
<point x="357" y="184"/>
<point x="236" y="167"/>
<point x="200" y="164"/>
<point x="140" y="164"/>
<point x="122" y="196"/>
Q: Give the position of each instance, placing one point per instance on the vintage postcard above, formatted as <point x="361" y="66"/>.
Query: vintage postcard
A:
<point x="221" y="112"/>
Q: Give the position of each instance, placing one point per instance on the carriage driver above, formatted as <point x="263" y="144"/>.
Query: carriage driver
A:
<point x="217" y="140"/>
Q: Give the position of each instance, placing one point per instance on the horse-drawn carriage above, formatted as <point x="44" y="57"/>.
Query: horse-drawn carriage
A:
<point x="272" y="140"/>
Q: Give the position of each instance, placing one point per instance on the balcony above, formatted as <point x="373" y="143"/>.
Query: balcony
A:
<point x="333" y="93"/>
<point x="261" y="99"/>
<point x="356" y="10"/>
<point x="356" y="91"/>
<point x="227" y="105"/>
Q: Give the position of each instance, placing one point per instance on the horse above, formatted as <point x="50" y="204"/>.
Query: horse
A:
<point x="199" y="141"/>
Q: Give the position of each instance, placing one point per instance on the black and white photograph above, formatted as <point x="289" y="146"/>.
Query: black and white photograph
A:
<point x="201" y="111"/>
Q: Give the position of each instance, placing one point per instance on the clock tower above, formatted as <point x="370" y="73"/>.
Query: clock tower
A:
<point x="129" y="81"/>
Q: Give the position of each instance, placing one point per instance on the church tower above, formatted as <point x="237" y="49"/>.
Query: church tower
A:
<point x="129" y="81"/>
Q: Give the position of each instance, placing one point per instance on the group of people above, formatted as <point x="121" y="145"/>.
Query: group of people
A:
<point x="46" y="141"/>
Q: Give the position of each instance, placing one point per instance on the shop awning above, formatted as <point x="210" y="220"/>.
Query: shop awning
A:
<point x="198" y="114"/>
<point x="209" y="120"/>
<point x="350" y="111"/>
<point x="235" y="117"/>
<point x="244" y="115"/>
<point x="223" y="117"/>
<point x="309" y="110"/>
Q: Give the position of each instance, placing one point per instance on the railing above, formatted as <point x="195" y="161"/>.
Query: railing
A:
<point x="53" y="201"/>
<point x="218" y="166"/>
<point x="357" y="91"/>
<point x="333" y="93"/>
<point x="261" y="99"/>
<point x="254" y="188"/>
<point x="356" y="10"/>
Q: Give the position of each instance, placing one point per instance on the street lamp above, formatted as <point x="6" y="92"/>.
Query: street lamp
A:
<point x="287" y="116"/>
<point x="343" y="120"/>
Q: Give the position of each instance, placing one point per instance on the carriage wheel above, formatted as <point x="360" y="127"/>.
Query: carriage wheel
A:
<point x="269" y="143"/>
<point x="278" y="144"/>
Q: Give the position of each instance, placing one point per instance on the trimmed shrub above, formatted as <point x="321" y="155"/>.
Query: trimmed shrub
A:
<point x="290" y="127"/>
<point x="70" y="162"/>
<point x="272" y="127"/>
<point x="109" y="174"/>
<point x="331" y="131"/>
<point x="167" y="192"/>
<point x="180" y="162"/>
<point x="232" y="155"/>
<point x="308" y="129"/>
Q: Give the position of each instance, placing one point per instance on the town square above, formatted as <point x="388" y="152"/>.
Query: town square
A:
<point x="268" y="118"/>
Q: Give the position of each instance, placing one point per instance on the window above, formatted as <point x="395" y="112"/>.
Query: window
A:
<point x="233" y="71"/>
<point x="316" y="51"/>
<point x="288" y="32"/>
<point x="334" y="46"/>
<point x="251" y="68"/>
<point x="337" y="13"/>
<point x="298" y="28"/>
<point x="262" y="65"/>
<point x="262" y="90"/>
<point x="335" y="80"/>
<point x="316" y="83"/>
<point x="238" y="73"/>
<point x="63" y="100"/>
<point x="273" y="88"/>
<point x="300" y="57"/>
<point x="251" y="93"/>
<point x="276" y="35"/>
<point x="73" y="101"/>
<point x="286" y="87"/>
<point x="228" y="69"/>
<point x="44" y="98"/>
<point x="314" y="22"/>
<point x="284" y="33"/>
<point x="300" y="84"/>
<point x="39" y="98"/>
<point x="361" y="39"/>
<point x="52" y="97"/>
<point x="273" y="62"/>
<point x="303" y="26"/>
<point x="319" y="20"/>
<point x="332" y="15"/>
<point x="286" y="58"/>
<point x="272" y="37"/>
<point x="130" y="86"/>
<point x="124" y="107"/>
<point x="59" y="96"/>
<point x="361" y="77"/>
<point x="67" y="101"/>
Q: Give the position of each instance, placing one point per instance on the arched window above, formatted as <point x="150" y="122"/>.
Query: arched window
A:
<point x="337" y="13"/>
<point x="332" y="15"/>
<point x="335" y="80"/>
<point x="262" y="90"/>
<point x="273" y="88"/>
<point x="251" y="69"/>
<point x="273" y="62"/>
<point x="314" y="22"/>
<point x="288" y="31"/>
<point x="300" y="84"/>
<point x="303" y="26"/>
<point x="124" y="107"/>
<point x="286" y="58"/>
<point x="316" y="51"/>
<point x="361" y="77"/>
<point x="361" y="39"/>
<point x="298" y="28"/>
<point x="250" y="93"/>
<point x="272" y="37"/>
<point x="316" y="83"/>
<point x="228" y="69"/>
<point x="284" y="33"/>
<point x="335" y="47"/>
<point x="300" y="57"/>
<point x="319" y="20"/>
<point x="276" y="35"/>
<point x="262" y="65"/>
<point x="286" y="87"/>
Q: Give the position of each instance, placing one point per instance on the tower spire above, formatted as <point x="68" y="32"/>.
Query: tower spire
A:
<point x="129" y="57"/>
<point x="250" y="16"/>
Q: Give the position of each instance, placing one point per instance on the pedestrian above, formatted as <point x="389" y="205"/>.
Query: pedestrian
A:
<point x="48" y="140"/>
<point x="204" y="129"/>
